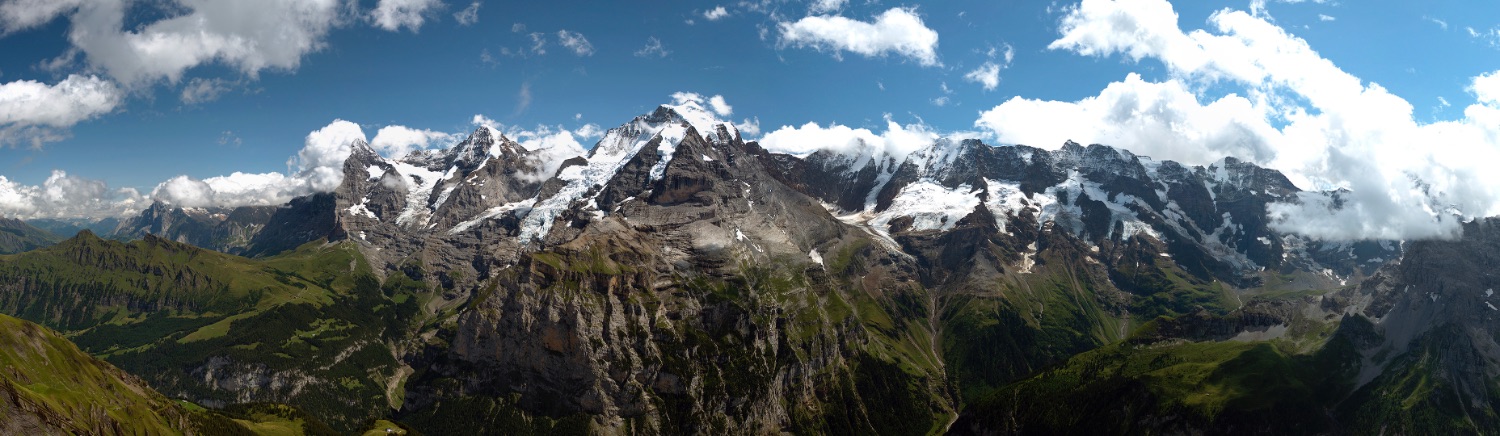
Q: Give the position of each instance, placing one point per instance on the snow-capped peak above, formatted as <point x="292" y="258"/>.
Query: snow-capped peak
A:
<point x="692" y="111"/>
<point x="479" y="146"/>
<point x="669" y="122"/>
<point x="936" y="158"/>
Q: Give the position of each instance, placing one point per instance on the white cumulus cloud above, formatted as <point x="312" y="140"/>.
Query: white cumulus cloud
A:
<point x="398" y="141"/>
<point x="66" y="196"/>
<point x="589" y="131"/>
<point x="549" y="147"/>
<point x="234" y="190"/>
<point x="317" y="167"/>
<point x="321" y="160"/>
<point x="1161" y="120"/>
<point x="248" y="36"/>
<point x="715" y="14"/>
<point x="897" y="141"/>
<point x="33" y="113"/>
<point x="1486" y="88"/>
<point x="898" y="31"/>
<point x="987" y="75"/>
<point x="719" y="106"/>
<point x="18" y="15"/>
<point x="749" y="128"/>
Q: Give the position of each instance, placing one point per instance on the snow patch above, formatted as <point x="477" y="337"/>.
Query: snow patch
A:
<point x="492" y="213"/>
<point x="931" y="206"/>
<point x="817" y="258"/>
<point x="1006" y="200"/>
<point x="419" y="185"/>
<point x="1028" y="259"/>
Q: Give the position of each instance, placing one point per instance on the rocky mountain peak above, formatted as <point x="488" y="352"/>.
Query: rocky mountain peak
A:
<point x="361" y="149"/>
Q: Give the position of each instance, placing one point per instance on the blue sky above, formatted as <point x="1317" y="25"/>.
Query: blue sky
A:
<point x="430" y="66"/>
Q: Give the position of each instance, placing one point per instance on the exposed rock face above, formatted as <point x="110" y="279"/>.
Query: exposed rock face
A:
<point x="1439" y="358"/>
<point x="448" y="212"/>
<point x="675" y="312"/>
<point x="302" y="220"/>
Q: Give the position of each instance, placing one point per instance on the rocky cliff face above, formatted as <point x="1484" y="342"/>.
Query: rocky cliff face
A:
<point x="701" y="304"/>
<point x="1436" y="359"/>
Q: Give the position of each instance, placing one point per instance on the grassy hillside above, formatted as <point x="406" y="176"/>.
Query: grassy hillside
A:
<point x="49" y="386"/>
<point x="1177" y="386"/>
<point x="85" y="282"/>
<point x="308" y="327"/>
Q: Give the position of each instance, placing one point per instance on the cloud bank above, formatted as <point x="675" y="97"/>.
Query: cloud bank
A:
<point x="67" y="196"/>
<point x="1299" y="113"/>
<point x="897" y="141"/>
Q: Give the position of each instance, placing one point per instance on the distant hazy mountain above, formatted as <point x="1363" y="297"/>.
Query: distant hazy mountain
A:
<point x="17" y="236"/>
<point x="66" y="228"/>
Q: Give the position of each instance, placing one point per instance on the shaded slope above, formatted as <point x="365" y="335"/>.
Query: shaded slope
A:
<point x="17" y="236"/>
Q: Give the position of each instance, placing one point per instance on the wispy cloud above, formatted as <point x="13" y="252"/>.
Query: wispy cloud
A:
<point x="523" y="98"/>
<point x="826" y="6"/>
<point x="200" y="90"/>
<point x="576" y="42"/>
<point x="468" y="16"/>
<point x="653" y="48"/>
<point x="392" y="15"/>
<point x="988" y="73"/>
<point x="1440" y="23"/>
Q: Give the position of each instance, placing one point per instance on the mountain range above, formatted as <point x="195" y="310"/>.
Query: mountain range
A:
<point x="677" y="278"/>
